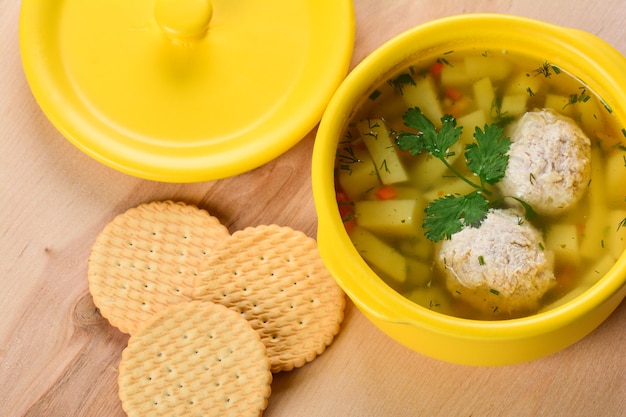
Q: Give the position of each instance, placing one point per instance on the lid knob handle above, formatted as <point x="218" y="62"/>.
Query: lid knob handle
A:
<point x="184" y="20"/>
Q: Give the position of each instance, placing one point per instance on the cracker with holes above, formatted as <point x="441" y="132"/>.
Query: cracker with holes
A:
<point x="195" y="359"/>
<point x="274" y="277"/>
<point x="146" y="259"/>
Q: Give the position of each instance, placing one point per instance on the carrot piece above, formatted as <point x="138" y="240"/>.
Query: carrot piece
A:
<point x="459" y="107"/>
<point x="436" y="68"/>
<point x="453" y="94"/>
<point x="386" y="192"/>
<point x="345" y="211"/>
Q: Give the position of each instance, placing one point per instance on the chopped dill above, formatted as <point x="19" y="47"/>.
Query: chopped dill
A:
<point x="375" y="94"/>
<point x="445" y="61"/>
<point x="347" y="156"/>
<point x="371" y="128"/>
<point x="606" y="106"/>
<point x="581" y="97"/>
<point x="546" y="69"/>
<point x="383" y="166"/>
<point x="400" y="81"/>
<point x="501" y="119"/>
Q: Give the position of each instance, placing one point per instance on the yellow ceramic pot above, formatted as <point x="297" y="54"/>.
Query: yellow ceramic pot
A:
<point x="452" y="339"/>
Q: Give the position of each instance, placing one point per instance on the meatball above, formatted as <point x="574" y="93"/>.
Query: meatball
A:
<point x="500" y="267"/>
<point x="549" y="162"/>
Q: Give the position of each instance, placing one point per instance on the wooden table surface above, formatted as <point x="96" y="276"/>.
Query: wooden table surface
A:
<point x="59" y="357"/>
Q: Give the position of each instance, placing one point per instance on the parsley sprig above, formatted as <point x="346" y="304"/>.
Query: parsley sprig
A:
<point x="487" y="157"/>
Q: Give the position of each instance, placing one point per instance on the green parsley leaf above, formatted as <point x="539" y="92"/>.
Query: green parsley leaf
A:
<point x="437" y="143"/>
<point x="448" y="135"/>
<point x="412" y="142"/>
<point x="448" y="215"/>
<point x="487" y="157"/>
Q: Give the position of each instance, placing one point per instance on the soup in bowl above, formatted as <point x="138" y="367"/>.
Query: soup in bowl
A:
<point x="467" y="178"/>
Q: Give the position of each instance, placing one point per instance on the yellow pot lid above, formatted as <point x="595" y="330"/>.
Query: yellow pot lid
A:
<point x="185" y="90"/>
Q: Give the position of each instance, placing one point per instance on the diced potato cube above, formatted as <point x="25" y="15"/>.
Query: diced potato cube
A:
<point x="454" y="75"/>
<point x="473" y="68"/>
<point x="597" y="186"/>
<point x="495" y="68"/>
<point x="469" y="123"/>
<point x="389" y="217"/>
<point x="383" y="151"/>
<point x="524" y="84"/>
<point x="357" y="172"/>
<point x="615" y="169"/>
<point x="562" y="240"/>
<point x="484" y="96"/>
<point x="424" y="95"/>
<point x="419" y="273"/>
<point x="392" y="113"/>
<point x="432" y="298"/>
<point x="593" y="240"/>
<point x="379" y="254"/>
<point x="427" y="170"/>
<point x="513" y="104"/>
<point x="559" y="103"/>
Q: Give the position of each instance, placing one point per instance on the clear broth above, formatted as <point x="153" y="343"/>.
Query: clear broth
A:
<point x="599" y="218"/>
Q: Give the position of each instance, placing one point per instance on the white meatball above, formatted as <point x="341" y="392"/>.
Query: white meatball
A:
<point x="549" y="162"/>
<point x="499" y="267"/>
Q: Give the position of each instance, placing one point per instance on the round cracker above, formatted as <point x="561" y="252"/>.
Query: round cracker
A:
<point x="147" y="258"/>
<point x="275" y="278"/>
<point x="195" y="359"/>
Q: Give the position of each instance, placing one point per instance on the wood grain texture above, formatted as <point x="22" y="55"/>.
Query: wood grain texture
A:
<point x="58" y="357"/>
